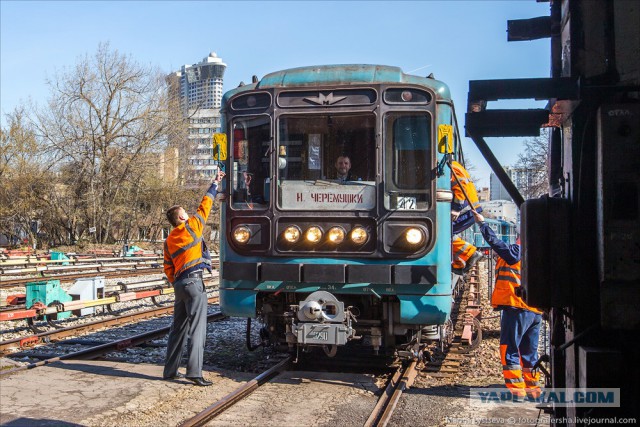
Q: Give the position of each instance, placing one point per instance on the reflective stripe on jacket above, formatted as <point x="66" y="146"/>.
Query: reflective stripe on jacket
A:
<point x="459" y="203"/>
<point x="507" y="280"/>
<point x="461" y="252"/>
<point x="184" y="247"/>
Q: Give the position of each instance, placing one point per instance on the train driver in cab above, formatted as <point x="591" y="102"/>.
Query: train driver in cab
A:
<point x="343" y="169"/>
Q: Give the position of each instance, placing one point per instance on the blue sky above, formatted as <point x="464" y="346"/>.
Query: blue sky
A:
<point x="458" y="41"/>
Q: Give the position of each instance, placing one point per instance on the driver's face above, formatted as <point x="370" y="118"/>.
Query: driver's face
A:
<point x="343" y="164"/>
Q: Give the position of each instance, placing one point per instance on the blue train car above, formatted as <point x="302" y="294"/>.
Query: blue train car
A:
<point x="504" y="230"/>
<point x="337" y="225"/>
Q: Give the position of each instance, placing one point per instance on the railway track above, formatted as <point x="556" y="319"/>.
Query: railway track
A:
<point x="99" y="350"/>
<point x="380" y="416"/>
<point x="401" y="380"/>
<point x="58" y="334"/>
<point x="106" y="271"/>
<point x="70" y="277"/>
<point x="446" y="361"/>
<point x="465" y="339"/>
<point x="42" y="266"/>
<point x="236" y="396"/>
<point x="467" y="331"/>
<point x="279" y="385"/>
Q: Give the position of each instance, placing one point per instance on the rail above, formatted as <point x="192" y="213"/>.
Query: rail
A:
<point x="66" y="278"/>
<point x="235" y="396"/>
<point x="99" y="350"/>
<point x="27" y="266"/>
<point x="107" y="271"/>
<point x="402" y="379"/>
<point x="51" y="336"/>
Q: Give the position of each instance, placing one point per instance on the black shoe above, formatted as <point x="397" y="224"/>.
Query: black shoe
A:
<point x="477" y="256"/>
<point x="200" y="381"/>
<point x="177" y="376"/>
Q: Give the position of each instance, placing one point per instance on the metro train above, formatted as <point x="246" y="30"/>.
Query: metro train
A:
<point x="504" y="230"/>
<point x="320" y="260"/>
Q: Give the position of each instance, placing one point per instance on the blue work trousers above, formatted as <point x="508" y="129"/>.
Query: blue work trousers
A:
<point x="519" y="332"/>
<point x="189" y="321"/>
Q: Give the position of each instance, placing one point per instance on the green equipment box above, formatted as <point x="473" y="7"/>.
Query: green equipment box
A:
<point x="47" y="293"/>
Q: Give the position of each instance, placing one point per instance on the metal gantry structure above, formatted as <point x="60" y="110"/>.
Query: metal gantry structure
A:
<point x="581" y="257"/>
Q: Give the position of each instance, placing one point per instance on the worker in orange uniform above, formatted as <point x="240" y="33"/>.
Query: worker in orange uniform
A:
<point x="185" y="258"/>
<point x="465" y="199"/>
<point x="519" y="323"/>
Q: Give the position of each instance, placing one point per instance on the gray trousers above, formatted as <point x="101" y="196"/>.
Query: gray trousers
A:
<point x="189" y="321"/>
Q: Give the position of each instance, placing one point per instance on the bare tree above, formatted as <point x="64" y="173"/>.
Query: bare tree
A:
<point x="25" y="178"/>
<point x="105" y="121"/>
<point x="534" y="159"/>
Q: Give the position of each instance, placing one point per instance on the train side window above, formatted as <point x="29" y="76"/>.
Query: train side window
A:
<point x="250" y="165"/>
<point x="408" y="143"/>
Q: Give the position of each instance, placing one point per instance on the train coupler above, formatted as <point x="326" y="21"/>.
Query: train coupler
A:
<point x="320" y="320"/>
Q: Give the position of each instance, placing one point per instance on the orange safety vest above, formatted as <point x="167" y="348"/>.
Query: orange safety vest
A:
<point x="465" y="180"/>
<point x="183" y="247"/>
<point x="507" y="280"/>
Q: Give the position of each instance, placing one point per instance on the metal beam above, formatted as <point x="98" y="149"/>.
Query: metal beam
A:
<point x="497" y="169"/>
<point x="530" y="29"/>
<point x="506" y="122"/>
<point x="538" y="88"/>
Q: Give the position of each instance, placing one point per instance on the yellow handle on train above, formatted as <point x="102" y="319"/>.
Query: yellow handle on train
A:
<point x="445" y="139"/>
<point x="220" y="146"/>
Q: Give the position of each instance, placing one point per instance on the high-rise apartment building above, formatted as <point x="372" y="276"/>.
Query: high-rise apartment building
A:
<point x="501" y="209"/>
<point x="483" y="194"/>
<point x="521" y="178"/>
<point x="199" y="90"/>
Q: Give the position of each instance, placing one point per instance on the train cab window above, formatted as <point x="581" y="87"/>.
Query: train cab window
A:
<point x="251" y="142"/>
<point x="326" y="162"/>
<point x="408" y="143"/>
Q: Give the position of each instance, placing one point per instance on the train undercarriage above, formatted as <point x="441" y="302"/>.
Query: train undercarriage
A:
<point x="293" y="322"/>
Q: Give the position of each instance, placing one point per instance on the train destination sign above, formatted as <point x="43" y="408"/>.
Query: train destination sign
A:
<point x="327" y="195"/>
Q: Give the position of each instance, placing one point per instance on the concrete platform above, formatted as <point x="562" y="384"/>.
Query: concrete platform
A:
<point x="70" y="393"/>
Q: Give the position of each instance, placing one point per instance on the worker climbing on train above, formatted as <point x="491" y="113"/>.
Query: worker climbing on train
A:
<point x="519" y="323"/>
<point x="465" y="201"/>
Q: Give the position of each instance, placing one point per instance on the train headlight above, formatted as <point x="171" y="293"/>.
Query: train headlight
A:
<point x="359" y="235"/>
<point x="336" y="235"/>
<point x="313" y="234"/>
<point x="292" y="234"/>
<point x="241" y="234"/>
<point x="414" y="236"/>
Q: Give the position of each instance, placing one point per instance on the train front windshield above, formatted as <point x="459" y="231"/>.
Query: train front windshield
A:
<point x="326" y="162"/>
